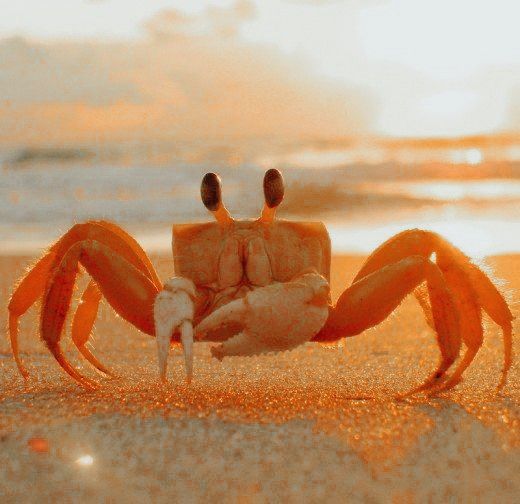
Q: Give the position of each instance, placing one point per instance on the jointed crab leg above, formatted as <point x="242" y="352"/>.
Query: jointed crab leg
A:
<point x="86" y="312"/>
<point x="143" y="264"/>
<point x="33" y="285"/>
<point x="471" y="289"/>
<point x="470" y="323"/>
<point x="26" y="294"/>
<point x="371" y="299"/>
<point x="127" y="289"/>
<point x="83" y="322"/>
<point x="55" y="306"/>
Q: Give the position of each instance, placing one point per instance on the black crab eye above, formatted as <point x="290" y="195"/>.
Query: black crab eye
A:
<point x="273" y="188"/>
<point x="211" y="191"/>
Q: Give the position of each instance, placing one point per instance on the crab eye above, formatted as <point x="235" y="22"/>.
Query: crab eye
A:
<point x="211" y="191"/>
<point x="273" y="188"/>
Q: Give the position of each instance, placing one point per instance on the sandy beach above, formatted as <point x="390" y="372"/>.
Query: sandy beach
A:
<point x="119" y="110"/>
<point x="314" y="424"/>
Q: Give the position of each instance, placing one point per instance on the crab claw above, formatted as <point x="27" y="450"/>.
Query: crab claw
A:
<point x="173" y="311"/>
<point x="274" y="318"/>
<point x="187" y="347"/>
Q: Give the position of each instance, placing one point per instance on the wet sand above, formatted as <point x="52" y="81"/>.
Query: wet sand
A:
<point x="314" y="424"/>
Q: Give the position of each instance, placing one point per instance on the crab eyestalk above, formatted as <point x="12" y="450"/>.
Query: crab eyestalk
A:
<point x="273" y="194"/>
<point x="211" y="194"/>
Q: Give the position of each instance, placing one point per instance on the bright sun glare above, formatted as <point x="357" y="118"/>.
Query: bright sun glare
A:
<point x="85" y="460"/>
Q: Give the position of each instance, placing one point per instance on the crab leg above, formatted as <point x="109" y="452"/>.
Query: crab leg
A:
<point x="144" y="265"/>
<point x="85" y="315"/>
<point x="470" y="287"/>
<point x="32" y="286"/>
<point x="55" y="306"/>
<point x="421" y="294"/>
<point x="127" y="289"/>
<point x="27" y="292"/>
<point x="83" y="322"/>
<point x="371" y="299"/>
<point x="187" y="345"/>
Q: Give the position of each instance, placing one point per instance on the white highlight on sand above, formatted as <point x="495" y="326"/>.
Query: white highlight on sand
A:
<point x="85" y="460"/>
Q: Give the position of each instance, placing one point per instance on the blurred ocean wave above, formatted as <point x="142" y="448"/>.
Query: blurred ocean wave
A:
<point x="37" y="155"/>
<point x="478" y="207"/>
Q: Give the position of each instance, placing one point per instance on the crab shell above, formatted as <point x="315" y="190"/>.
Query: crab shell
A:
<point x="225" y="262"/>
<point x="289" y="247"/>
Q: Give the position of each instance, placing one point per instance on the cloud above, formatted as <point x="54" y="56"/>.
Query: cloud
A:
<point x="509" y="81"/>
<point x="189" y="85"/>
<point x="329" y="2"/>
<point x="50" y="73"/>
<point x="213" y="21"/>
<point x="514" y="115"/>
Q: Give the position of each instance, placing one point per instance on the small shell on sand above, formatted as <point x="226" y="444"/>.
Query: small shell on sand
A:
<point x="38" y="445"/>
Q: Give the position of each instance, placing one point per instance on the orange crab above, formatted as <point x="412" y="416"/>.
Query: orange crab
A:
<point x="257" y="286"/>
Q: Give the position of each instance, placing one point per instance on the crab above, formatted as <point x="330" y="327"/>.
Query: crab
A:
<point x="257" y="286"/>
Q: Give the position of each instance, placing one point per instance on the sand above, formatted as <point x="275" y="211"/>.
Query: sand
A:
<point x="314" y="424"/>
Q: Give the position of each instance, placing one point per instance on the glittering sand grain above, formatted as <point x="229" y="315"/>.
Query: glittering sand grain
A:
<point x="314" y="424"/>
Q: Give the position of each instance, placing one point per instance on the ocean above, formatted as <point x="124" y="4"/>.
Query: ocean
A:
<point x="476" y="206"/>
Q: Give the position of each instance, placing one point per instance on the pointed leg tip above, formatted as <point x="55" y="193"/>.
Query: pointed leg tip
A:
<point x="107" y="373"/>
<point x="410" y="393"/>
<point x="425" y="389"/>
<point x="445" y="387"/>
<point x="162" y="376"/>
<point x="90" y="357"/>
<point x="404" y="395"/>
<point x="189" y="373"/>
<point x="90" y="385"/>
<point x="217" y="352"/>
<point x="21" y="368"/>
<point x="104" y="373"/>
<point x="503" y="379"/>
<point x="430" y="387"/>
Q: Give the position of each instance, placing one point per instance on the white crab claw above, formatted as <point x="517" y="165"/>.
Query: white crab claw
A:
<point x="187" y="346"/>
<point x="274" y="318"/>
<point x="173" y="310"/>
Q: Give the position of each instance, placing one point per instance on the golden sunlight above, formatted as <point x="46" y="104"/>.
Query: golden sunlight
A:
<point x="260" y="251"/>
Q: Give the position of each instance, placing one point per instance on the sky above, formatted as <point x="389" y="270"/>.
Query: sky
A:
<point x="406" y="68"/>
